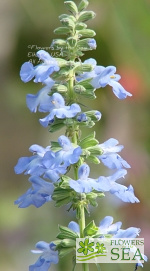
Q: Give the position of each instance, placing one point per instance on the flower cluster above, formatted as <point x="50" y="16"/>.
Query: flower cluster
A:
<point x="64" y="80"/>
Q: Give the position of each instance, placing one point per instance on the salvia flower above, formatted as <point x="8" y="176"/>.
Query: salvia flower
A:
<point x="37" y="195"/>
<point x="32" y="165"/>
<point x="110" y="156"/>
<point x="49" y="256"/>
<point x="69" y="154"/>
<point x="56" y="107"/>
<point x="41" y="98"/>
<point x="106" y="226"/>
<point x="103" y="184"/>
<point x="103" y="76"/>
<point x="42" y="71"/>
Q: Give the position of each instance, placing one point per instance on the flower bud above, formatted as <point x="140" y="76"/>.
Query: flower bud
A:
<point x="80" y="26"/>
<point x="71" y="6"/>
<point x="59" y="88"/>
<point x="79" y="89"/>
<point x="83" y="5"/>
<point x="86" y="33"/>
<point x="86" y="44"/>
<point x="86" y="15"/>
<point x="62" y="30"/>
<point x="68" y="22"/>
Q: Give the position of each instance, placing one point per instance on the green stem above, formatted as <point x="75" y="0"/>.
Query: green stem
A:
<point x="85" y="266"/>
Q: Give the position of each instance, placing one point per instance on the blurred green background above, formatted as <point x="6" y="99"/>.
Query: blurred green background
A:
<point x="123" y="40"/>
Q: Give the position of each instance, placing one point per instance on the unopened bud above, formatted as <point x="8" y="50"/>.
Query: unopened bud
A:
<point x="86" y="15"/>
<point x="83" y="5"/>
<point x="71" y="6"/>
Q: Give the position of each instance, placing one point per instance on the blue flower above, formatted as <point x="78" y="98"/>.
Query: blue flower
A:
<point x="32" y="165"/>
<point x="42" y="162"/>
<point x="103" y="184"/>
<point x="103" y="76"/>
<point x="41" y="98"/>
<point x="37" y="195"/>
<point x="69" y="154"/>
<point x="110" y="157"/>
<point x="42" y="71"/>
<point x="92" y="43"/>
<point x="49" y="256"/>
<point x="106" y="226"/>
<point x="83" y="184"/>
<point x="53" y="170"/>
<point x="56" y="107"/>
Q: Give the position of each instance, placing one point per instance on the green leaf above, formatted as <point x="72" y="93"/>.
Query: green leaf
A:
<point x="95" y="150"/>
<point x="90" y="229"/>
<point x="62" y="202"/>
<point x="93" y="159"/>
<point x="68" y="243"/>
<point x="64" y="251"/>
<point x="86" y="15"/>
<point x="71" y="6"/>
<point x="72" y="42"/>
<point x="60" y="194"/>
<point x="67" y="233"/>
<point x="88" y="141"/>
<point x="83" y="5"/>
<point x="55" y="146"/>
<point x="56" y="126"/>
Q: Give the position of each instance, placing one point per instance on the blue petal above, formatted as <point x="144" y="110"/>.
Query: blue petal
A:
<point x="131" y="232"/>
<point x="27" y="72"/>
<point x="45" y="56"/>
<point x="22" y="164"/>
<point x="74" y="226"/>
<point x="40" y="99"/>
<point x="105" y="223"/>
<point x="81" y="186"/>
<point x="92" y="43"/>
<point x="127" y="195"/>
<point x="83" y="171"/>
<point x="42" y="245"/>
<point x="118" y="90"/>
<point x="91" y="61"/>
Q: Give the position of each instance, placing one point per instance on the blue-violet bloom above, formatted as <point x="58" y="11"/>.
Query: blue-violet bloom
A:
<point x="32" y="165"/>
<point x="49" y="256"/>
<point x="41" y="98"/>
<point x="42" y="71"/>
<point x="69" y="154"/>
<point x="37" y="195"/>
<point x="56" y="107"/>
<point x="103" y="76"/>
<point x="103" y="184"/>
<point x="110" y="158"/>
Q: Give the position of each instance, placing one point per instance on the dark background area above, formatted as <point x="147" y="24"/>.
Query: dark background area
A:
<point x="123" y="40"/>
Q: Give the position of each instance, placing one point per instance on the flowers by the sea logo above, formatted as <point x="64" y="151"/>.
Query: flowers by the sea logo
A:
<point x="90" y="250"/>
<point x="108" y="250"/>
